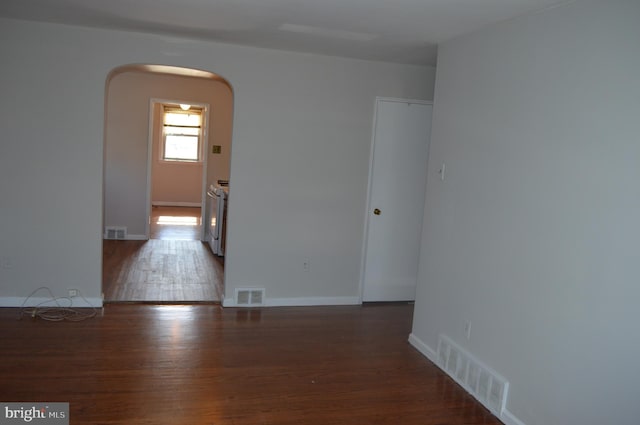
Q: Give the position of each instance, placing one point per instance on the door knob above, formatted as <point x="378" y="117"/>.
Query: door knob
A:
<point x="377" y="211"/>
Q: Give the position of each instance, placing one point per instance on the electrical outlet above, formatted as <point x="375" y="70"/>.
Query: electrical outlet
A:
<point x="305" y="265"/>
<point x="73" y="293"/>
<point x="6" y="263"/>
<point x="467" y="329"/>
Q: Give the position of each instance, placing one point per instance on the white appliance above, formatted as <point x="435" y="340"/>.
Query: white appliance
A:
<point x="218" y="196"/>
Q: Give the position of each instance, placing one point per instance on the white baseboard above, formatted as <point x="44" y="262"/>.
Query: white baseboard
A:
<point x="299" y="302"/>
<point x="426" y="351"/>
<point x="176" y="204"/>
<point x="510" y="419"/>
<point x="78" y="302"/>
<point x="129" y="237"/>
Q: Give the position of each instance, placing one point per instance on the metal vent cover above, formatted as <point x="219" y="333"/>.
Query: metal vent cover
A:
<point x="482" y="382"/>
<point x="250" y="296"/>
<point x="113" y="232"/>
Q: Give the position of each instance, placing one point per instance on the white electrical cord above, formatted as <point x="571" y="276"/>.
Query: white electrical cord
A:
<point x="58" y="312"/>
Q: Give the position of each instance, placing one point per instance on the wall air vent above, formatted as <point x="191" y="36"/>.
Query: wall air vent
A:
<point x="113" y="232"/>
<point x="249" y="297"/>
<point x="479" y="380"/>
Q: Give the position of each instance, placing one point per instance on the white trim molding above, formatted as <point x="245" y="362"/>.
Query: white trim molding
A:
<point x="298" y="302"/>
<point x="423" y="348"/>
<point x="136" y="238"/>
<point x="176" y="204"/>
<point x="510" y="419"/>
<point x="78" y="302"/>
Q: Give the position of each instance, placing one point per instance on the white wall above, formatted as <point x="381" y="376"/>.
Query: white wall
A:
<point x="533" y="235"/>
<point x="302" y="134"/>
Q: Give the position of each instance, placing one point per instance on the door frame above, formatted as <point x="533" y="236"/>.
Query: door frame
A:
<point x="367" y="215"/>
<point x="204" y="149"/>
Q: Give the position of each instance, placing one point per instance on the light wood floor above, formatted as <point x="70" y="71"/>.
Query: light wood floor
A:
<point x="200" y="364"/>
<point x="175" y="223"/>
<point x="173" y="266"/>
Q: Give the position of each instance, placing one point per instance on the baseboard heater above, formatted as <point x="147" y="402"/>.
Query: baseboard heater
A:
<point x="482" y="382"/>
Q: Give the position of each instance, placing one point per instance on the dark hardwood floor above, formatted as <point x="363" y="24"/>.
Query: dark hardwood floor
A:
<point x="200" y="364"/>
<point x="173" y="266"/>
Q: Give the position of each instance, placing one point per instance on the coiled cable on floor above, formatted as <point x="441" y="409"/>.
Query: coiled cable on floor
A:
<point x="57" y="312"/>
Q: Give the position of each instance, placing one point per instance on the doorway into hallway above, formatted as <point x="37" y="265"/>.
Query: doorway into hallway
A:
<point x="172" y="266"/>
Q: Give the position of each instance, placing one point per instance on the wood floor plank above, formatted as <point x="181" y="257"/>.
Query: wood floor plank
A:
<point x="201" y="364"/>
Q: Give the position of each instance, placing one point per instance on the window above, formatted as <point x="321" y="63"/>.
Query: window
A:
<point x="182" y="133"/>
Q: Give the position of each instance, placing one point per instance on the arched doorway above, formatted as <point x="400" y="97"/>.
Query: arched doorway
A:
<point x="135" y="98"/>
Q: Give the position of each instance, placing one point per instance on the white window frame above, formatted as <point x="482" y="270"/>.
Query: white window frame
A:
<point x="170" y="108"/>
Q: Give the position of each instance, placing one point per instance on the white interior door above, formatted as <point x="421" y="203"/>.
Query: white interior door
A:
<point x="396" y="199"/>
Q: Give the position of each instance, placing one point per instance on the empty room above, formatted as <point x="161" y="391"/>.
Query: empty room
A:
<point x="320" y="212"/>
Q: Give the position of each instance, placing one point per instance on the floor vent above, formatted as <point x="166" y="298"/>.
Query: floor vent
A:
<point x="113" y="232"/>
<point x="479" y="380"/>
<point x="250" y="297"/>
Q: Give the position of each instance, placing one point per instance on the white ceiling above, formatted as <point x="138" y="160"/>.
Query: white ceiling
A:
<point x="403" y="31"/>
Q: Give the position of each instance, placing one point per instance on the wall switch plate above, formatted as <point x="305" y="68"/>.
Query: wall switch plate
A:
<point x="216" y="149"/>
